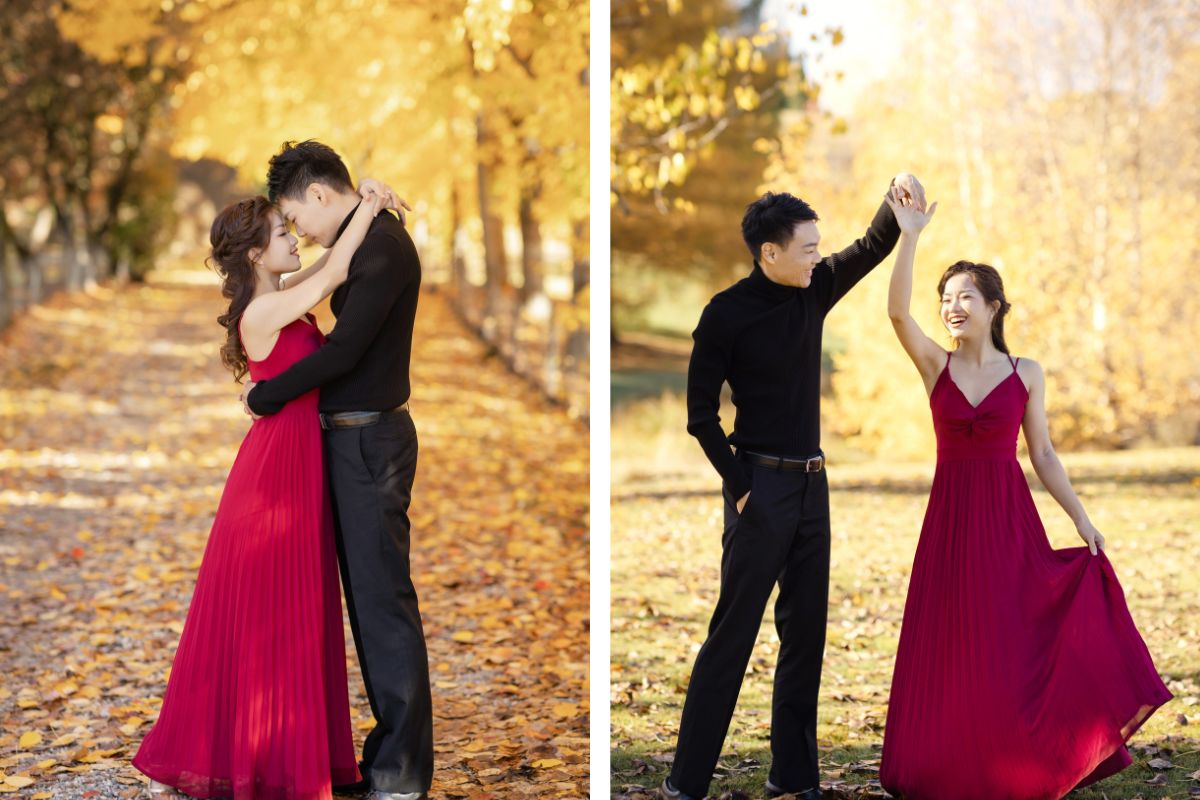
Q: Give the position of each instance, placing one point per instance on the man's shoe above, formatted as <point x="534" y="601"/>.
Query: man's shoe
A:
<point x="356" y="788"/>
<point x="359" y="787"/>
<point x="811" y="794"/>
<point x="378" y="795"/>
<point x="669" y="792"/>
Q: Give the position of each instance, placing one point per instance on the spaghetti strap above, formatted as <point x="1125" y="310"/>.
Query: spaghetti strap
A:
<point x="1013" y="363"/>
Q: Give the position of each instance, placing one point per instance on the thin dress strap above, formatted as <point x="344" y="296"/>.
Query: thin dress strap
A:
<point x="1014" y="363"/>
<point x="948" y="354"/>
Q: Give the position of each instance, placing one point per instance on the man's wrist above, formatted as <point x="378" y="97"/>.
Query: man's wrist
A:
<point x="740" y="488"/>
<point x="250" y="397"/>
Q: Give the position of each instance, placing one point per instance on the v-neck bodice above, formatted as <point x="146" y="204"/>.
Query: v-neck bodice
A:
<point x="986" y="431"/>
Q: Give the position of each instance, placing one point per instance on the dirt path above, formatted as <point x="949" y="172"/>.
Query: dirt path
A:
<point x="117" y="428"/>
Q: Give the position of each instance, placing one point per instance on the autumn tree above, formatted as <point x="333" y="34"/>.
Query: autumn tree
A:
<point x="1056" y="142"/>
<point x="74" y="127"/>
<point x="475" y="110"/>
<point x="698" y="90"/>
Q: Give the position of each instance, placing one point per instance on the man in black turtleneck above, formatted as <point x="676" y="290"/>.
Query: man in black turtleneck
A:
<point x="371" y="456"/>
<point x="763" y="336"/>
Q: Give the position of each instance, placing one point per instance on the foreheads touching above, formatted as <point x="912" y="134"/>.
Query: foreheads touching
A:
<point x="298" y="165"/>
<point x="308" y="181"/>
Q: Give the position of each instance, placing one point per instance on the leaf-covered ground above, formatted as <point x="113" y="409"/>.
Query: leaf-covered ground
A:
<point x="666" y="524"/>
<point x="117" y="428"/>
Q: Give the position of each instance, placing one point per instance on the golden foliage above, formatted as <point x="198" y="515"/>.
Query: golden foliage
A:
<point x="671" y="98"/>
<point x="1084" y="198"/>
<point x="396" y="88"/>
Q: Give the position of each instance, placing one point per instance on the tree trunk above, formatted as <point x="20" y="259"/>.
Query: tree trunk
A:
<point x="493" y="230"/>
<point x="1102" y="238"/>
<point x="532" y="262"/>
<point x="35" y="279"/>
<point x="581" y="273"/>
<point x="6" y="295"/>
<point x="123" y="271"/>
<point x="458" y="276"/>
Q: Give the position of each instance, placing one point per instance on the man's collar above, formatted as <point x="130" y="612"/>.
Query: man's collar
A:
<point x="758" y="280"/>
<point x="345" y="223"/>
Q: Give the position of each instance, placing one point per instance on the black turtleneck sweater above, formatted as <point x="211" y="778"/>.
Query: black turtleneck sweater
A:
<point x="764" y="338"/>
<point x="363" y="365"/>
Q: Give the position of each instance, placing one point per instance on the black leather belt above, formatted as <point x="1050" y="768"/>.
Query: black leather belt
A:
<point x="356" y="419"/>
<point x="811" y="464"/>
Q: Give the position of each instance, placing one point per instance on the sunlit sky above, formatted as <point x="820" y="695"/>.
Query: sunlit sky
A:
<point x="873" y="46"/>
<point x="870" y="46"/>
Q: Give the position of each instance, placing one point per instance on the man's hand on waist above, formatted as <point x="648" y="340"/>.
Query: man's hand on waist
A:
<point x="243" y="397"/>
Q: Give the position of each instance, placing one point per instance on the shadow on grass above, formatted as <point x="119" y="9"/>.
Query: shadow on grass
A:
<point x="629" y="385"/>
<point x="920" y="487"/>
<point x="846" y="772"/>
<point x="852" y="772"/>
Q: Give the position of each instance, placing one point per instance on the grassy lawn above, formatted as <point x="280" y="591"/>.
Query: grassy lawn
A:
<point x="666" y="526"/>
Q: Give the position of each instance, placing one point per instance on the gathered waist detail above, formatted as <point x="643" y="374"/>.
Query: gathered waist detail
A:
<point x="1004" y="454"/>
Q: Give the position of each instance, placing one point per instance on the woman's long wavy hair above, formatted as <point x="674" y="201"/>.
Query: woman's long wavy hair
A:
<point x="238" y="229"/>
<point x="988" y="281"/>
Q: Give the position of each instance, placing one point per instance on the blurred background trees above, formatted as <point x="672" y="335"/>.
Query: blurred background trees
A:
<point x="127" y="125"/>
<point x="697" y="91"/>
<point x="1061" y="139"/>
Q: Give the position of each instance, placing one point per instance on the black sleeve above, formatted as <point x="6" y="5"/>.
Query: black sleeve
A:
<point x="706" y="372"/>
<point x="851" y="265"/>
<point x="378" y="274"/>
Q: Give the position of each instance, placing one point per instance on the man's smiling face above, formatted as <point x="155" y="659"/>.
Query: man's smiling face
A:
<point x="793" y="265"/>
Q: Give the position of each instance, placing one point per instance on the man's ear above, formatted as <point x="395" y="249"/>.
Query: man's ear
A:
<point x="767" y="252"/>
<point x="318" y="192"/>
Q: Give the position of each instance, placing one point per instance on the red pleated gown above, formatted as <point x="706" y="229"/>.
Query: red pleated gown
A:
<point x="1019" y="674"/>
<point x="256" y="706"/>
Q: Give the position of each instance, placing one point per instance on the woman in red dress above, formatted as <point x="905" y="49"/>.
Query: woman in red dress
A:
<point x="1020" y="674"/>
<point x="256" y="706"/>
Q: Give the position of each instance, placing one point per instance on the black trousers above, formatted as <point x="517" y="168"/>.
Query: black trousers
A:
<point x="371" y="470"/>
<point x="782" y="535"/>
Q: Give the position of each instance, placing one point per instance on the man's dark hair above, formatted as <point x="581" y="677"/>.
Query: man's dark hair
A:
<point x="300" y="164"/>
<point x="773" y="218"/>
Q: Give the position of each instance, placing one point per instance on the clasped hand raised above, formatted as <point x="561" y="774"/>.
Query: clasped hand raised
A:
<point x="906" y="198"/>
<point x="371" y="189"/>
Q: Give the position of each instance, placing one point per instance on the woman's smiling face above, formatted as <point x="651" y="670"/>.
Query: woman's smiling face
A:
<point x="965" y="312"/>
<point x="281" y="255"/>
